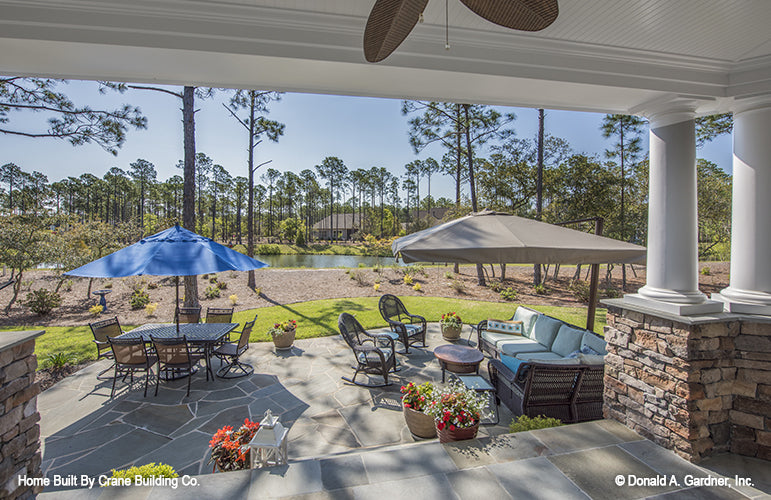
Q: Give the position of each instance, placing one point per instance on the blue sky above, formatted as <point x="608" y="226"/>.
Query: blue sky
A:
<point x="363" y="132"/>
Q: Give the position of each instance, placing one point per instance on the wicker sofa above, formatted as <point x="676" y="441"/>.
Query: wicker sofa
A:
<point x="552" y="368"/>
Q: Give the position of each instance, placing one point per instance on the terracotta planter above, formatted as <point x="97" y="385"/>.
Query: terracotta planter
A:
<point x="420" y="424"/>
<point x="448" y="436"/>
<point x="284" y="341"/>
<point x="451" y="333"/>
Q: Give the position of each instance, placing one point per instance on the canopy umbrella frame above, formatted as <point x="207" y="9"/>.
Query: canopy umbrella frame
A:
<point x="172" y="252"/>
<point x="494" y="237"/>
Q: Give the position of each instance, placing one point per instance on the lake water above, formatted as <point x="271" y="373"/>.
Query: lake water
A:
<point x="324" y="261"/>
<point x="312" y="261"/>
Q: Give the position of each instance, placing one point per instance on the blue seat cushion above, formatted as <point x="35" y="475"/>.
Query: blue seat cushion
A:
<point x="514" y="347"/>
<point x="545" y="330"/>
<point x="594" y="342"/>
<point x="372" y="356"/>
<point x="511" y="363"/>
<point x="568" y="339"/>
<point x="413" y="329"/>
<point x="494" y="338"/>
<point x="539" y="356"/>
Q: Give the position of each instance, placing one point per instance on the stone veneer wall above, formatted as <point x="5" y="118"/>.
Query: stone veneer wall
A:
<point x="19" y="429"/>
<point x="695" y="387"/>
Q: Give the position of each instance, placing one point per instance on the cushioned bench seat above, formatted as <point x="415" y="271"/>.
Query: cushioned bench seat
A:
<point x="519" y="346"/>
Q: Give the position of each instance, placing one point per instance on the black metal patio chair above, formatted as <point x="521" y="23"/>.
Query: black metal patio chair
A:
<point x="175" y="359"/>
<point x="375" y="353"/>
<point x="103" y="330"/>
<point x="234" y="350"/>
<point x="189" y="314"/>
<point x="130" y="356"/>
<point x="410" y="328"/>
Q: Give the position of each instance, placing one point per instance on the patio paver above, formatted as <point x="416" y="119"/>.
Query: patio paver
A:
<point x="344" y="441"/>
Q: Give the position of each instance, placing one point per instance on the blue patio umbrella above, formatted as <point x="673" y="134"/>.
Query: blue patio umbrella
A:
<point x="173" y="252"/>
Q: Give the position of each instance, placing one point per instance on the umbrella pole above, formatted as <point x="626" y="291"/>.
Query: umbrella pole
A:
<point x="176" y="303"/>
<point x="594" y="283"/>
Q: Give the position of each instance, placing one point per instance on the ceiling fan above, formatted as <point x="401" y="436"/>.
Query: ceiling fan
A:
<point x="390" y="21"/>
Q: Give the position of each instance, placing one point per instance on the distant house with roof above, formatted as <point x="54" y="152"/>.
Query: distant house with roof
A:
<point x="337" y="227"/>
<point x="435" y="213"/>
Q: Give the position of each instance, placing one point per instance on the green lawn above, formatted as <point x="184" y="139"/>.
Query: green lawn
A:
<point x="318" y="318"/>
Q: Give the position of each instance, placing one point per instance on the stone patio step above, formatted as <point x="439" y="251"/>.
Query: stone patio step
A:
<point x="574" y="461"/>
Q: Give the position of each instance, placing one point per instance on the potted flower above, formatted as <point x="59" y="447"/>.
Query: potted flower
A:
<point x="414" y="402"/>
<point x="230" y="449"/>
<point x="283" y="334"/>
<point x="456" y="411"/>
<point x="451" y="325"/>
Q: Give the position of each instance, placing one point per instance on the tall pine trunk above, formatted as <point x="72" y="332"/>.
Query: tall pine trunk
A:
<point x="470" y="157"/>
<point x="188" y="197"/>
<point x="539" y="191"/>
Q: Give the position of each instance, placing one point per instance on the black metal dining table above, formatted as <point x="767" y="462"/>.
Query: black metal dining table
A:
<point x="204" y="335"/>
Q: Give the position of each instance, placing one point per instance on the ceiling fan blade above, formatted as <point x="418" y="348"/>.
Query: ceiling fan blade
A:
<point x="525" y="15"/>
<point x="389" y="23"/>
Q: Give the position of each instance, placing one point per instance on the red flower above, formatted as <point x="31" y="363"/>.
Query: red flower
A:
<point x="452" y="427"/>
<point x="440" y="426"/>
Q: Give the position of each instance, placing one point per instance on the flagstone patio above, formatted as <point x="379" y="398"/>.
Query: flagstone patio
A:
<point x="344" y="441"/>
<point x="85" y="432"/>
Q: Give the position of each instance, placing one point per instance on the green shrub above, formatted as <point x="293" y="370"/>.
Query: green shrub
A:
<point x="67" y="285"/>
<point x="509" y="294"/>
<point x="148" y="470"/>
<point x="59" y="360"/>
<point x="361" y="264"/>
<point x="26" y="285"/>
<point x="525" y="423"/>
<point x="212" y="292"/>
<point x="458" y="286"/>
<point x="267" y="250"/>
<point x="611" y="293"/>
<point x="222" y="285"/>
<point x="42" y="301"/>
<point x="139" y="299"/>
<point x="580" y="290"/>
<point x="300" y="239"/>
<point x="495" y="286"/>
<point x="213" y="279"/>
<point x="449" y="275"/>
<point x="359" y="278"/>
<point x="706" y="271"/>
<point x="540" y="289"/>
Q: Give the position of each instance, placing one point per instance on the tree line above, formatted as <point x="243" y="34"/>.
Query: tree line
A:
<point x="490" y="167"/>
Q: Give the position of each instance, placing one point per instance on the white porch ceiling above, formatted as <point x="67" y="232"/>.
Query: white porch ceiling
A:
<point x="600" y="55"/>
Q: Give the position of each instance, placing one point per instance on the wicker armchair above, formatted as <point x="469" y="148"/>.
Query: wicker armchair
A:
<point x="234" y="350"/>
<point x="189" y="314"/>
<point x="410" y="328"/>
<point x="103" y="331"/>
<point x="130" y="356"/>
<point x="375" y="354"/>
<point x="175" y="359"/>
<point x="571" y="393"/>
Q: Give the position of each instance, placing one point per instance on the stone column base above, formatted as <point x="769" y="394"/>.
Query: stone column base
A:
<point x="679" y="309"/>
<point x="732" y="305"/>
<point x="695" y="385"/>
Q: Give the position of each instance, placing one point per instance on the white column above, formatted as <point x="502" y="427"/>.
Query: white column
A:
<point x="750" y="287"/>
<point x="672" y="283"/>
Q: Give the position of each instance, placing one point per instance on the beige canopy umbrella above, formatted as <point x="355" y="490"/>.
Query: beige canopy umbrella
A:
<point x="489" y="237"/>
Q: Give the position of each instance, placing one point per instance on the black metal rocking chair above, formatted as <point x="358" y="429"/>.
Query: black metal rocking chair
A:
<point x="375" y="353"/>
